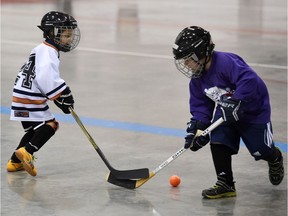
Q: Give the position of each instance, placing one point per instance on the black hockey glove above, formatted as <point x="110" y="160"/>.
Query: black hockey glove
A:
<point x="192" y="139"/>
<point x="65" y="100"/>
<point x="230" y="108"/>
<point x="200" y="141"/>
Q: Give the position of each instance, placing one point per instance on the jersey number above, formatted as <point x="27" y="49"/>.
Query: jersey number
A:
<point x="28" y="70"/>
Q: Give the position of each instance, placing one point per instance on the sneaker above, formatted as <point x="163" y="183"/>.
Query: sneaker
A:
<point x="221" y="189"/>
<point x="14" y="167"/>
<point x="276" y="170"/>
<point x="27" y="160"/>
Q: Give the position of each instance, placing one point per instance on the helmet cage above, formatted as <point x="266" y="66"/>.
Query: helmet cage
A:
<point x="72" y="34"/>
<point x="188" y="71"/>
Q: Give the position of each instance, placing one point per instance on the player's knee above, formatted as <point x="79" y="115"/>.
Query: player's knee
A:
<point x="268" y="154"/>
<point x="219" y="148"/>
<point x="54" y="124"/>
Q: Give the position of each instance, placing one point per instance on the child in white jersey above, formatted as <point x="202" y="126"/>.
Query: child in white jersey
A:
<point x="39" y="81"/>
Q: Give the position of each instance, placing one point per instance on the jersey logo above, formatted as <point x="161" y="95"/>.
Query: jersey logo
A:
<point x="28" y="71"/>
<point x="215" y="93"/>
<point x="21" y="114"/>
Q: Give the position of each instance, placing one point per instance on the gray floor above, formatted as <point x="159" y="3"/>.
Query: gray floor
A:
<point x="135" y="104"/>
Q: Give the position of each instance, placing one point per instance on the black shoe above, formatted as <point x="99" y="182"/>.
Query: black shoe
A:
<point x="221" y="189"/>
<point x="276" y="170"/>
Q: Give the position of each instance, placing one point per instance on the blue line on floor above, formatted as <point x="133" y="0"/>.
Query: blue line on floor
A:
<point x="136" y="127"/>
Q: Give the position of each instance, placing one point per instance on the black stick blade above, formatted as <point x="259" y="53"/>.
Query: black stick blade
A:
<point x="130" y="174"/>
<point x="125" y="183"/>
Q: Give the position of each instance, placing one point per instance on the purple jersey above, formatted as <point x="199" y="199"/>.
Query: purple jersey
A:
<point x="229" y="72"/>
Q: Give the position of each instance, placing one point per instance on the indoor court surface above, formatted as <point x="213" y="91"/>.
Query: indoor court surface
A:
<point x="135" y="104"/>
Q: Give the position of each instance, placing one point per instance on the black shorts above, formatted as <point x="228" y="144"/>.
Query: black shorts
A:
<point x="258" y="138"/>
<point x="32" y="125"/>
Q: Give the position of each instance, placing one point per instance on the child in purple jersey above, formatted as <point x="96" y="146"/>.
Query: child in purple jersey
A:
<point x="242" y="100"/>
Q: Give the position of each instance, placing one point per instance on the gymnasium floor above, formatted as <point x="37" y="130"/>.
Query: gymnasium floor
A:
<point x="134" y="103"/>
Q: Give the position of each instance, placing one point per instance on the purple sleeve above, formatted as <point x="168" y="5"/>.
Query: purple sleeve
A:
<point x="243" y="77"/>
<point x="201" y="107"/>
<point x="249" y="88"/>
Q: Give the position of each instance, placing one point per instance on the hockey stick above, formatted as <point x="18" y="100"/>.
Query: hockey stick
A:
<point x="132" y="184"/>
<point x="117" y="174"/>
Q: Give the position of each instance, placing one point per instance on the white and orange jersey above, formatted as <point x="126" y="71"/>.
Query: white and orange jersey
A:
<point x="38" y="81"/>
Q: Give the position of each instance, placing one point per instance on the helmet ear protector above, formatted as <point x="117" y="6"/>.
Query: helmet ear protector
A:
<point x="47" y="33"/>
<point x="192" y="42"/>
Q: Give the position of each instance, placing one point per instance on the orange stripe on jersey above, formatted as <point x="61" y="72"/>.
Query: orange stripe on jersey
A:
<point x="56" y="96"/>
<point x="27" y="101"/>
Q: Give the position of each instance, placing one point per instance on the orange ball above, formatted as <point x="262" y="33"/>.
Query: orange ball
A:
<point x="175" y="180"/>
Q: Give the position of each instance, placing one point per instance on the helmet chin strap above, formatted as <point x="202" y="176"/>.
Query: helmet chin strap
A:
<point x="207" y="59"/>
<point x="198" y="73"/>
<point x="51" y="41"/>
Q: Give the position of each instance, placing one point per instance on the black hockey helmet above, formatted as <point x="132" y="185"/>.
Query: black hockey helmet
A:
<point x="54" y="24"/>
<point x="192" y="42"/>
